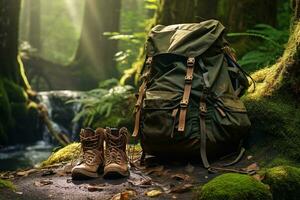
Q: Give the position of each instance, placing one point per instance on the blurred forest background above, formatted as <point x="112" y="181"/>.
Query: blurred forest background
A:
<point x="66" y="64"/>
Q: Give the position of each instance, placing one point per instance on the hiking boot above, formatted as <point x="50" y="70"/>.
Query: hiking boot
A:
<point x="116" y="161"/>
<point x="93" y="154"/>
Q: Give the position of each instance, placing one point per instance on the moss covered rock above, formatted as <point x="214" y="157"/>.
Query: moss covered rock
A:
<point x="70" y="152"/>
<point x="234" y="187"/>
<point x="284" y="182"/>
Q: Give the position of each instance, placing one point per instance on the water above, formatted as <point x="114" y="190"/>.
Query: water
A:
<point x="21" y="156"/>
<point x="61" y="115"/>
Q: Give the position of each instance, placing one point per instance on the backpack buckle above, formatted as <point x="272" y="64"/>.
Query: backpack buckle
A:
<point x="183" y="104"/>
<point x="188" y="79"/>
<point x="190" y="62"/>
<point x="203" y="108"/>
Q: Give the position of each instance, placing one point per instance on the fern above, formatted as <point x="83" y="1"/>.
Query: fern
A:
<point x="272" y="46"/>
<point x="98" y="103"/>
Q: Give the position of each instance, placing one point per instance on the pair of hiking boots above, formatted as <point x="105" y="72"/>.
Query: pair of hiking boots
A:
<point x="104" y="151"/>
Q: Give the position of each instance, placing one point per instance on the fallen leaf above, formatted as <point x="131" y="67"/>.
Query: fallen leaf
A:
<point x="92" y="188"/>
<point x="181" y="188"/>
<point x="127" y="194"/>
<point x="252" y="169"/>
<point x="145" y="181"/>
<point x="249" y="157"/>
<point x="152" y="170"/>
<point x="189" y="168"/>
<point x="20" y="193"/>
<point x="181" y="177"/>
<point x="48" y="172"/>
<point x="26" y="173"/>
<point x="153" y="193"/>
<point x="43" y="183"/>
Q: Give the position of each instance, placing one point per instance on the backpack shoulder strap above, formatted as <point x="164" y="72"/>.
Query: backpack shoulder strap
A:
<point x="140" y="98"/>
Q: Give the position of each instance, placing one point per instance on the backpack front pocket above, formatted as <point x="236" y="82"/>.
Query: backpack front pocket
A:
<point x="160" y="111"/>
<point x="230" y="118"/>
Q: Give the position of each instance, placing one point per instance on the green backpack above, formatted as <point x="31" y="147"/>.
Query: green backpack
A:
<point x="188" y="101"/>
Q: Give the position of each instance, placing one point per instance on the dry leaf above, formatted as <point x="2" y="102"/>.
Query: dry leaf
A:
<point x="48" y="172"/>
<point x="181" y="188"/>
<point x="145" y="181"/>
<point x="26" y="173"/>
<point x="126" y="195"/>
<point x="181" y="177"/>
<point x="153" y="193"/>
<point x="43" y="183"/>
<point x="157" y="170"/>
<point x="249" y="157"/>
<point x="95" y="188"/>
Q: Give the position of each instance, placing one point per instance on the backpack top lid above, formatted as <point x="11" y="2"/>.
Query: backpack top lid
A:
<point x="190" y="40"/>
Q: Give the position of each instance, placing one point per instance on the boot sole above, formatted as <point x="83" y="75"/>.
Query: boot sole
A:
<point x="80" y="174"/>
<point x="115" y="173"/>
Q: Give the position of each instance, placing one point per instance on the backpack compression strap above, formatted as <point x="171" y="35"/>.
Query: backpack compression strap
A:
<point x="141" y="95"/>
<point x="203" y="111"/>
<point x="186" y="93"/>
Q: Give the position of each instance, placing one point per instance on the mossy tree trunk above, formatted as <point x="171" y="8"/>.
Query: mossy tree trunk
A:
<point x="274" y="105"/>
<point x="18" y="114"/>
<point x="95" y="53"/>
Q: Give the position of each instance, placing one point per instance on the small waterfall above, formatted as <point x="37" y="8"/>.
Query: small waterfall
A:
<point x="61" y="113"/>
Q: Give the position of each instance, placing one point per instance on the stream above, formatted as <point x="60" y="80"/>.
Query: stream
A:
<point x="61" y="115"/>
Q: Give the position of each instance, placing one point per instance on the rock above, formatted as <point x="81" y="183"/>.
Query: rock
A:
<point x="233" y="186"/>
<point x="284" y="182"/>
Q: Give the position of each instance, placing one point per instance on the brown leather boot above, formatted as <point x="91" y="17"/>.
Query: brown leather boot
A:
<point x="116" y="161"/>
<point x="93" y="154"/>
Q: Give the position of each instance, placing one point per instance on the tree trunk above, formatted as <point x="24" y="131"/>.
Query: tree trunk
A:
<point x="9" y="19"/>
<point x="240" y="15"/>
<point x="95" y="52"/>
<point x="178" y="11"/>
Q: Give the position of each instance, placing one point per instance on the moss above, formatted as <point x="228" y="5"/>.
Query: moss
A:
<point x="70" y="152"/>
<point x="234" y="187"/>
<point x="284" y="182"/>
<point x="283" y="134"/>
<point x="7" y="184"/>
<point x="15" y="92"/>
<point x="281" y="160"/>
<point x="6" y="120"/>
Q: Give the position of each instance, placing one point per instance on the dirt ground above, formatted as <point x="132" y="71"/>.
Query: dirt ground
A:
<point x="159" y="180"/>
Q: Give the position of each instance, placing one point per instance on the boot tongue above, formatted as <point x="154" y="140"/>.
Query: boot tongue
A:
<point x="114" y="132"/>
<point x="88" y="132"/>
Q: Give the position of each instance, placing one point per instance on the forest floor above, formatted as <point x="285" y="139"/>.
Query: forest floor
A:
<point x="168" y="180"/>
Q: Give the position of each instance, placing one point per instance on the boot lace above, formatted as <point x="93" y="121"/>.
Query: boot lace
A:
<point x="90" y="146"/>
<point x="114" y="147"/>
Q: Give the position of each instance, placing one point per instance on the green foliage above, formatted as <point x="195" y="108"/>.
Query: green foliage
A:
<point x="104" y="104"/>
<point x="15" y="92"/>
<point x="284" y="182"/>
<point x="234" y="187"/>
<point x="7" y="184"/>
<point x="270" y="49"/>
